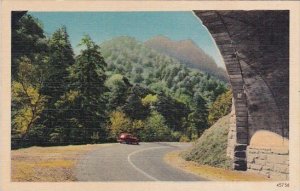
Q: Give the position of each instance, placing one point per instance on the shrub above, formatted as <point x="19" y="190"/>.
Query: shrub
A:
<point x="184" y="138"/>
<point x="156" y="129"/>
<point x="220" y="108"/>
<point x="119" y="123"/>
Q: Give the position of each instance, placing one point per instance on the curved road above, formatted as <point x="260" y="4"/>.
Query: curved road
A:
<point x="121" y="162"/>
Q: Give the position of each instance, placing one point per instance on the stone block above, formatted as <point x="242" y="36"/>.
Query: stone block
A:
<point x="242" y="123"/>
<point x="268" y="166"/>
<point x="240" y="147"/>
<point x="281" y="151"/>
<point x="242" y="129"/>
<point x="242" y="141"/>
<point x="278" y="176"/>
<point x="265" y="150"/>
<point x="252" y="151"/>
<point x="251" y="158"/>
<point x="242" y="113"/>
<point x="240" y="165"/>
<point x="260" y="161"/>
<point x="266" y="173"/>
<point x="256" y="167"/>
<point x="277" y="159"/>
<point x="240" y="159"/>
<point x="281" y="168"/>
<point x="223" y="34"/>
<point x="263" y="156"/>
<point x="240" y="154"/>
<point x="242" y="135"/>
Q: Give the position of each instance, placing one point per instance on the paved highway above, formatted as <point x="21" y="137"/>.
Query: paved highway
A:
<point x="121" y="162"/>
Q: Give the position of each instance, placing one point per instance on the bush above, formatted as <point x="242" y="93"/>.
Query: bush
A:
<point x="184" y="138"/>
<point x="119" y="123"/>
<point x="156" y="128"/>
<point x="220" y="108"/>
<point x="175" y="135"/>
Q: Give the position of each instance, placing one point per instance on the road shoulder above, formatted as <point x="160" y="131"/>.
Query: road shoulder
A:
<point x="48" y="164"/>
<point x="208" y="172"/>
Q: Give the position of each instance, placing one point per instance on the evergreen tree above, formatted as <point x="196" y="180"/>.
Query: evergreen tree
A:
<point x="221" y="107"/>
<point x="134" y="107"/>
<point x="61" y="57"/>
<point x="172" y="110"/>
<point x="198" y="117"/>
<point x="28" y="40"/>
<point x="88" y="79"/>
<point x="118" y="86"/>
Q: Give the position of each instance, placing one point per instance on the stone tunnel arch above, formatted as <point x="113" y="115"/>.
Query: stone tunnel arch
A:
<point x="255" y="49"/>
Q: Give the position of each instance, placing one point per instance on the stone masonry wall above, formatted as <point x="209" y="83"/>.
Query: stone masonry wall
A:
<point x="271" y="162"/>
<point x="232" y="133"/>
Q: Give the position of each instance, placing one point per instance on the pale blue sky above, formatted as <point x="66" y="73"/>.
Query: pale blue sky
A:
<point x="102" y="26"/>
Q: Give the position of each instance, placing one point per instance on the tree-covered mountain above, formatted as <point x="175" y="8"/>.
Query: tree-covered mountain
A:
<point x="158" y="71"/>
<point x="188" y="53"/>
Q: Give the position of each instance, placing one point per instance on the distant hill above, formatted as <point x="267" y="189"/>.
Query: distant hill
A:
<point x="188" y="53"/>
<point x="158" y="71"/>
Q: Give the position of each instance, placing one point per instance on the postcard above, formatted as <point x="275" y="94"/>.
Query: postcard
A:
<point x="150" y="95"/>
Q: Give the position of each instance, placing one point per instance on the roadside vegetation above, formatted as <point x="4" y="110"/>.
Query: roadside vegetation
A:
<point x="59" y="98"/>
<point x="211" y="172"/>
<point x="47" y="164"/>
<point x="210" y="148"/>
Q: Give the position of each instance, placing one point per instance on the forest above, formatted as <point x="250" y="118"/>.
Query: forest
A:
<point x="121" y="85"/>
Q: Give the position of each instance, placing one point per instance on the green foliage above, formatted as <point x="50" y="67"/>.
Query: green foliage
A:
<point x="88" y="77"/>
<point x="60" y="58"/>
<point x="156" y="128"/>
<point x="134" y="107"/>
<point x="221" y="107"/>
<point x="172" y="110"/>
<point x="118" y="91"/>
<point x="28" y="40"/>
<point x="210" y="148"/>
<point x="119" y="123"/>
<point x="198" y="117"/>
<point x="159" y="72"/>
<point x="27" y="102"/>
<point x="58" y="98"/>
<point x="149" y="100"/>
<point x="184" y="138"/>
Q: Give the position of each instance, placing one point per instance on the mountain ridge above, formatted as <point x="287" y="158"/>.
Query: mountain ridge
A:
<point x="188" y="53"/>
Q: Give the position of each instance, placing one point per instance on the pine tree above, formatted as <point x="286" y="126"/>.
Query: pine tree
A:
<point x="60" y="58"/>
<point x="198" y="117"/>
<point x="28" y="40"/>
<point x="88" y="76"/>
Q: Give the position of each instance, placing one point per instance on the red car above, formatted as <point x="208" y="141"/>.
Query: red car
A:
<point x="128" y="139"/>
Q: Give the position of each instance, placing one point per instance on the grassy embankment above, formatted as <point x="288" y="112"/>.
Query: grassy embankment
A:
<point x="207" y="158"/>
<point x="51" y="164"/>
